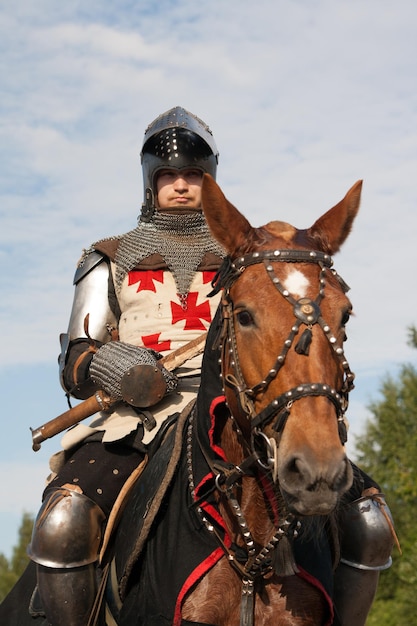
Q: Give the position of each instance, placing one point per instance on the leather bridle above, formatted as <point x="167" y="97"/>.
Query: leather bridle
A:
<point x="306" y="312"/>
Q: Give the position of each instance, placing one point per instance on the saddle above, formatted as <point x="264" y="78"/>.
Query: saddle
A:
<point x="145" y="503"/>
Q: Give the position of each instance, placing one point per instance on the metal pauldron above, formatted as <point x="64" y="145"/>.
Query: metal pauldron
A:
<point x="54" y="540"/>
<point x="91" y="298"/>
<point x="366" y="534"/>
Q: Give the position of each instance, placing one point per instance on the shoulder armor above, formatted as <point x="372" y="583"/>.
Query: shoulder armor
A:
<point x="91" y="298"/>
<point x="367" y="534"/>
<point x="89" y="260"/>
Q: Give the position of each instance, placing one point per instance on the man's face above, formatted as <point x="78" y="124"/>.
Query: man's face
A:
<point x="179" y="190"/>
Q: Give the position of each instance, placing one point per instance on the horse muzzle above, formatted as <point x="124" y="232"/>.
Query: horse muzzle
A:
<point x="310" y="488"/>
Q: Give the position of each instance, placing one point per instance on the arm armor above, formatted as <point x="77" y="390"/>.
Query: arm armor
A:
<point x="91" y="318"/>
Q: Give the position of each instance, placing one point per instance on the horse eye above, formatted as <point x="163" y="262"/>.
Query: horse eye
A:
<point x="244" y="318"/>
<point x="345" y="317"/>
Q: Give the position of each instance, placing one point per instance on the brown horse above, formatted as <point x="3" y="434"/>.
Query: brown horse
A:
<point x="286" y="382"/>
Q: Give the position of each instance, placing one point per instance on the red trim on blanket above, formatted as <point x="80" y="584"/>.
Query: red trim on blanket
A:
<point x="219" y="451"/>
<point x="210" y="509"/>
<point x="194" y="577"/>
<point x="213" y="406"/>
<point x="271" y="496"/>
<point x="302" y="573"/>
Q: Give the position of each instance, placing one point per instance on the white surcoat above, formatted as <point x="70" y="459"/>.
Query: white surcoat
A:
<point x="154" y="316"/>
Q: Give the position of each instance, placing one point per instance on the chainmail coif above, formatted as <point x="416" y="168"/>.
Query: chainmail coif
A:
<point x="181" y="240"/>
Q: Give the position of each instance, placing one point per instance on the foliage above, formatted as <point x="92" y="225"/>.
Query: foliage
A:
<point x="388" y="452"/>
<point x="412" y="336"/>
<point x="11" y="570"/>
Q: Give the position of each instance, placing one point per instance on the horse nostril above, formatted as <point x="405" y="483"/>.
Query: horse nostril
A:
<point x="296" y="466"/>
<point x="298" y="473"/>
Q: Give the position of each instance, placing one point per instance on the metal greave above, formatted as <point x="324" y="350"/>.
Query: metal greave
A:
<point x="67" y="595"/>
<point x="354" y="592"/>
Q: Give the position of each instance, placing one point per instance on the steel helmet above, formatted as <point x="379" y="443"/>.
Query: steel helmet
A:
<point x="177" y="139"/>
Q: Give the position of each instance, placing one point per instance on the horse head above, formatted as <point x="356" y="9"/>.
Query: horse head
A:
<point x="284" y="371"/>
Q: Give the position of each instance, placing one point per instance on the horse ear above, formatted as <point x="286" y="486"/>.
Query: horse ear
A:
<point x="333" y="228"/>
<point x="227" y="225"/>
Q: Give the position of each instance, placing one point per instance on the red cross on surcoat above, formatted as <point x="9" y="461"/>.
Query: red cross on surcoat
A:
<point x="192" y="313"/>
<point x="146" y="279"/>
<point x="152" y="342"/>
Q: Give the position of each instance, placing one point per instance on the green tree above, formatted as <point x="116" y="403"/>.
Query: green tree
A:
<point x="412" y="336"/>
<point x="11" y="570"/>
<point x="388" y="451"/>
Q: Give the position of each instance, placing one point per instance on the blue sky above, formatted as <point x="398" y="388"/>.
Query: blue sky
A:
<point x="304" y="98"/>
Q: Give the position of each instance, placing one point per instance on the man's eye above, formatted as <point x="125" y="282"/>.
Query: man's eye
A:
<point x="166" y="176"/>
<point x="193" y="175"/>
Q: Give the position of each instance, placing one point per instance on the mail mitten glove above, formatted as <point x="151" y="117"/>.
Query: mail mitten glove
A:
<point x="112" y="365"/>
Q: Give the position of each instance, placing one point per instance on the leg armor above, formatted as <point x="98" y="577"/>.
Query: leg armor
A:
<point x="367" y="539"/>
<point x="65" y="544"/>
<point x="67" y="531"/>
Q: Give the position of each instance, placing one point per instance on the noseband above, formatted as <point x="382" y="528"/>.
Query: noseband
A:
<point x="306" y="312"/>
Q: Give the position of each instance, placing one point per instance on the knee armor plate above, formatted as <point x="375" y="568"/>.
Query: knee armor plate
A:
<point x="67" y="531"/>
<point x="366" y="534"/>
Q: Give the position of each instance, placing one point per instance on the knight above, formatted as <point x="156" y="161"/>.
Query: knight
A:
<point x="138" y="297"/>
